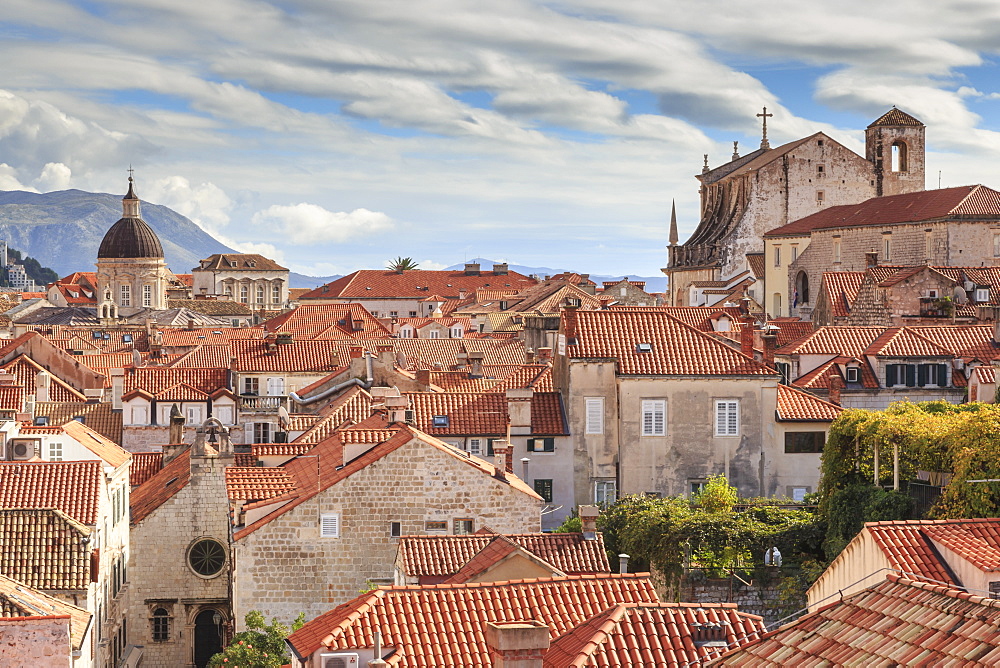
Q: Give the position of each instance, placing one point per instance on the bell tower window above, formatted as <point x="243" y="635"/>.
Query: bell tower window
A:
<point x="899" y="156"/>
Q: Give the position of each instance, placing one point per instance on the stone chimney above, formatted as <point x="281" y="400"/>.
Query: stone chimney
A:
<point x="500" y="269"/>
<point x="871" y="259"/>
<point x="836" y="387"/>
<point x="476" y="360"/>
<point x="569" y="322"/>
<point x="176" y="425"/>
<point x="544" y="355"/>
<point x="588" y="518"/>
<point x="746" y="334"/>
<point x="43" y="381"/>
<point x="769" y="338"/>
<point x="471" y="268"/>
<point x="502" y="453"/>
<point x="424" y="377"/>
<point x="529" y="356"/>
<point x="519" y="410"/>
<point x="521" y="644"/>
<point x="117" y="388"/>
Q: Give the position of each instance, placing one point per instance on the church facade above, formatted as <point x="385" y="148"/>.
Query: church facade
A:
<point x="771" y="187"/>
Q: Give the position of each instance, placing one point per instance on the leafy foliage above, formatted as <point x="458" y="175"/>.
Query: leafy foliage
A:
<point x="402" y="264"/>
<point x="717" y="496"/>
<point x="852" y="506"/>
<point x="262" y="645"/>
<point x="32" y="267"/>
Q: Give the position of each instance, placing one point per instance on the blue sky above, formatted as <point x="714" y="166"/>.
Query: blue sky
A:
<point x="336" y="134"/>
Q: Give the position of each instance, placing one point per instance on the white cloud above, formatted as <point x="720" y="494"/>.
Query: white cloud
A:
<point x="206" y="204"/>
<point x="267" y="250"/>
<point x="54" y="176"/>
<point x="429" y="264"/>
<point x="309" y="223"/>
<point x="9" y="180"/>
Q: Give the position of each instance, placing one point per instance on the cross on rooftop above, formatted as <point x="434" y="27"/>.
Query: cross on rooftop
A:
<point x="763" y="140"/>
<point x="130" y="171"/>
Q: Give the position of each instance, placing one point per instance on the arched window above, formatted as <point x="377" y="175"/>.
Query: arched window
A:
<point x="260" y="293"/>
<point x="899" y="156"/>
<point x="802" y="287"/>
<point x="161" y="625"/>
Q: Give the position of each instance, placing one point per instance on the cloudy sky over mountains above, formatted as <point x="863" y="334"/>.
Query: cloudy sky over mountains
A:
<point x="335" y="134"/>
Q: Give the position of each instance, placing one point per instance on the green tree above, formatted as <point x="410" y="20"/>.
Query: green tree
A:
<point x="262" y="645"/>
<point x="717" y="495"/>
<point x="401" y="264"/>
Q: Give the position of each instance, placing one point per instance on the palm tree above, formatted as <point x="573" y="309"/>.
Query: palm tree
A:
<point x="401" y="264"/>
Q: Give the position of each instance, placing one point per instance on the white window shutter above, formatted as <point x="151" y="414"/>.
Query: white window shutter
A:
<point x="329" y="526"/>
<point x="595" y="415"/>
<point x="248" y="432"/>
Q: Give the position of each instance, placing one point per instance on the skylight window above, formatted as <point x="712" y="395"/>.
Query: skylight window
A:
<point x="127" y="338"/>
<point x="440" y="421"/>
<point x="644" y="347"/>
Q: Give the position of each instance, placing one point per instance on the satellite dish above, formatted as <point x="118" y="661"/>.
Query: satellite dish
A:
<point x="136" y="358"/>
<point x="959" y="295"/>
<point x="283" y="416"/>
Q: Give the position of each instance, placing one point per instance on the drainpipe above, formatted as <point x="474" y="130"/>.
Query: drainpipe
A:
<point x="337" y="388"/>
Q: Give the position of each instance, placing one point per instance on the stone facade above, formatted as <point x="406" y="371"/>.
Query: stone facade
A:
<point x="35" y="642"/>
<point x="284" y="567"/>
<point x="249" y="279"/>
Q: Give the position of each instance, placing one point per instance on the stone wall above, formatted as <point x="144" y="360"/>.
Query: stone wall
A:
<point x="760" y="594"/>
<point x="35" y="642"/>
<point x="284" y="567"/>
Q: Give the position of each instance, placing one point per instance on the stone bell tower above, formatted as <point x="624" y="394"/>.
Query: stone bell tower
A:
<point x="894" y="144"/>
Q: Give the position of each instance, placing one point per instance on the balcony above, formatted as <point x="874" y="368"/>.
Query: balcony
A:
<point x="251" y="403"/>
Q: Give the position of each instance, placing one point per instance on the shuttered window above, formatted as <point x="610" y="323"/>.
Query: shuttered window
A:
<point x="329" y="526"/>
<point x="654" y="417"/>
<point x="595" y="415"/>
<point x="727" y="418"/>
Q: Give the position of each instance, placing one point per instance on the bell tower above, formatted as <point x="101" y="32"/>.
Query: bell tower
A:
<point x="894" y="144"/>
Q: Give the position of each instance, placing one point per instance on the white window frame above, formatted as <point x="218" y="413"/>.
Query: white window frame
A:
<point x="244" y="294"/>
<point x="433" y="334"/>
<point x="262" y="430"/>
<point x="855" y="372"/>
<point x="276" y="386"/>
<point x="261" y="294"/>
<point x="727" y="417"/>
<point x="654" y="417"/>
<point x="475" y="446"/>
<point x="223" y="414"/>
<point x="55" y="451"/>
<point x="329" y="525"/>
<point x="605" y="492"/>
<point x="456" y="332"/>
<point x="126" y="294"/>
<point x="836" y="250"/>
<point x="140" y="415"/>
<point x="147" y="295"/>
<point x="594" y="414"/>
<point x="982" y="295"/>
<point x="275" y="294"/>
<point x="192" y="415"/>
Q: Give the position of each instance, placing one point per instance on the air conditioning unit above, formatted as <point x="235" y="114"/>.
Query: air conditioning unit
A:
<point x="21" y="450"/>
<point x="340" y="660"/>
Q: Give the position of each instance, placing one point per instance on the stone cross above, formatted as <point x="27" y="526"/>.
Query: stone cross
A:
<point x="763" y="141"/>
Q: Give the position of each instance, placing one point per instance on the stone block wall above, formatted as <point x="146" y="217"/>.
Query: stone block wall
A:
<point x="35" y="642"/>
<point x="285" y="567"/>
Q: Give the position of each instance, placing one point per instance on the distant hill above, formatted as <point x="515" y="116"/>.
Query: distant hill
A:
<point x="653" y="283"/>
<point x="63" y="229"/>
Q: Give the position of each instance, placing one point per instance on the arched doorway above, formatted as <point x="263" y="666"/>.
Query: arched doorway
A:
<point x="208" y="631"/>
<point x="802" y="288"/>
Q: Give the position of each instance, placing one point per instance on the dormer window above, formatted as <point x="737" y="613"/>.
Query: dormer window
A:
<point x="440" y="421"/>
<point x="644" y="347"/>
<point x="853" y="374"/>
<point x="982" y="295"/>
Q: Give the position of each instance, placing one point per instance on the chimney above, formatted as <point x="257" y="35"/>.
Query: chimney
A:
<point x="176" y="425"/>
<point x="357" y="352"/>
<point x="871" y="259"/>
<point x="377" y="661"/>
<point x="623" y="563"/>
<point x="359" y="325"/>
<point x="476" y="358"/>
<point x="836" y="386"/>
<point x="569" y="323"/>
<point x="544" y="355"/>
<point x="520" y="644"/>
<point x="588" y="518"/>
<point x="770" y="341"/>
<point x="424" y="377"/>
<point x="191" y="326"/>
<point x="746" y="335"/>
<point x="500" y="269"/>
<point x="519" y="410"/>
<point x="502" y="458"/>
<point x="117" y="388"/>
<point x="471" y="268"/>
<point x="524" y="468"/>
<point x="529" y="356"/>
<point x="43" y="381"/>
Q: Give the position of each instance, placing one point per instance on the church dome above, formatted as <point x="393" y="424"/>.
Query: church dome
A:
<point x="131" y="236"/>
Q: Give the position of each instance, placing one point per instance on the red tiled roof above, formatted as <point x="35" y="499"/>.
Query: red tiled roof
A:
<point x="924" y="205"/>
<point x="257" y="483"/>
<point x="99" y="416"/>
<point x="547" y="415"/>
<point x="841" y="289"/>
<point x="279" y="449"/>
<point x="12" y="398"/>
<point x="895" y="117"/>
<point x="653" y="635"/>
<point x="354" y="405"/>
<point x="144" y="466"/>
<point x="155" y="379"/>
<point x="676" y="348"/>
<point x="414" y="284"/>
<point x="903" y="342"/>
<point x="19" y="600"/>
<point x="798" y="406"/>
<point x="318" y="356"/>
<point x="819" y="378"/>
<point x="72" y="487"/>
<point x="908" y="549"/>
<point x="845" y="341"/>
<point x="986" y="373"/>
<point x="467" y="412"/>
<point x="158" y="489"/>
<point x="423" y="556"/>
<point x="26" y="369"/>
<point x="219" y="336"/>
<point x="328" y="321"/>
<point x="899" y="622"/>
<point x="444" y="625"/>
<point x="181" y="392"/>
<point x="44" y="548"/>
<point x="907" y="543"/>
<point x="791" y="329"/>
<point x="204" y="356"/>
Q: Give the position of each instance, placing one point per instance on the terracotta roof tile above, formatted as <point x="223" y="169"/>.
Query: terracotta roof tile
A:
<point x="203" y="356"/>
<point x="423" y="556"/>
<point x="798" y="406"/>
<point x="547" y="415"/>
<point x="899" y="622"/>
<point x="675" y="348"/>
<point x="443" y="625"/>
<point x="819" y="378"/>
<point x="158" y="489"/>
<point x="100" y="445"/>
<point x="241" y="261"/>
<point x="179" y="338"/>
<point x="181" y="392"/>
<point x="923" y="205"/>
<point x="26" y="369"/>
<point x="12" y="398"/>
<point x="155" y="379"/>
<point x="415" y="284"/>
<point x="72" y="487"/>
<point x="654" y="635"/>
<point x="44" y="548"/>
<point x="144" y="466"/>
<point x="895" y="117"/>
<point x="318" y="356"/>
<point x="328" y="321"/>
<point x="354" y="405"/>
<point x="257" y="483"/>
<point x="19" y="600"/>
<point x="909" y="549"/>
<point x="465" y="412"/>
